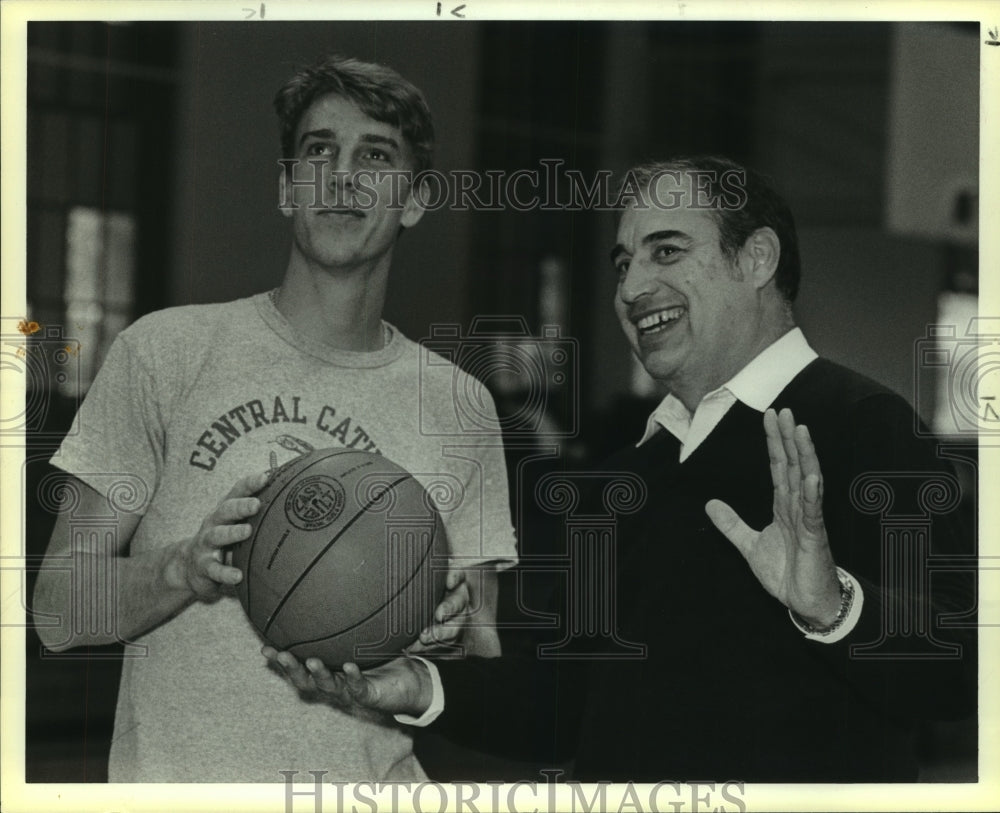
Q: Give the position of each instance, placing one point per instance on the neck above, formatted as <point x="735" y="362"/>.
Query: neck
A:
<point x="770" y="331"/>
<point x="342" y="310"/>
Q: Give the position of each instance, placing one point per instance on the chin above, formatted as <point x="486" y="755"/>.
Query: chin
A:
<point x="659" y="364"/>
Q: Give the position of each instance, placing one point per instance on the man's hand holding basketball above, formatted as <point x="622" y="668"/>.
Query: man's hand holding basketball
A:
<point x="402" y="686"/>
<point x="397" y="687"/>
<point x="791" y="557"/>
<point x="198" y="563"/>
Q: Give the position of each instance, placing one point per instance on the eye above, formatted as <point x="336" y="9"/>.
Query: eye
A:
<point x="621" y="266"/>
<point x="666" y="252"/>
<point x="378" y="155"/>
<point x="318" y="148"/>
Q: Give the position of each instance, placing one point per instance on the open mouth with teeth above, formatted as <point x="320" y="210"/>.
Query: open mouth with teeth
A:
<point x="659" y="321"/>
<point x="358" y="213"/>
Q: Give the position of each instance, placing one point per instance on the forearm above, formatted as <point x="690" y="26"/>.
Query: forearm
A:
<point x="479" y="637"/>
<point x="93" y="599"/>
<point x="94" y="593"/>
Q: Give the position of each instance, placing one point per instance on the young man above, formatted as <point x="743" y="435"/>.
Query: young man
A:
<point x="192" y="400"/>
<point x="804" y="651"/>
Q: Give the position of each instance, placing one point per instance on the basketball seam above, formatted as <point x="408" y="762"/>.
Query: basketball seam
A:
<point x="305" y="572"/>
<point x="372" y="614"/>
<point x="272" y="506"/>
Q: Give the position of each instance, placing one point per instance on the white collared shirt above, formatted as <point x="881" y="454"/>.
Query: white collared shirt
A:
<point x="756" y="385"/>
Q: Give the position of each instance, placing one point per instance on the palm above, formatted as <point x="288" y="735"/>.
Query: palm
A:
<point x="385" y="687"/>
<point x="401" y="686"/>
<point x="790" y="557"/>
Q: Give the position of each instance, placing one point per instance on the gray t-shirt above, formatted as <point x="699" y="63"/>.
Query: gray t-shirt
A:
<point x="191" y="399"/>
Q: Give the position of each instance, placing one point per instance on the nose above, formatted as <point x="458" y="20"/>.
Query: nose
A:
<point x="340" y="170"/>
<point x="638" y="281"/>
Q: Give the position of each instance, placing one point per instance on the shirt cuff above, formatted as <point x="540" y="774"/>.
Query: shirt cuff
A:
<point x="437" y="699"/>
<point x="843" y="629"/>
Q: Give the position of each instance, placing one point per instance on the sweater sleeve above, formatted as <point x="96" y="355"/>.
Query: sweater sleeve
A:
<point x="516" y="706"/>
<point x="897" y="527"/>
<point x="526" y="704"/>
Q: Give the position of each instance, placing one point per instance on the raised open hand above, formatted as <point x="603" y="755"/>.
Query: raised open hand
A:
<point x="790" y="557"/>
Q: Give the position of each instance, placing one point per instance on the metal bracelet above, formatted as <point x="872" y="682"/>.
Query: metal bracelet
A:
<point x="846" y="602"/>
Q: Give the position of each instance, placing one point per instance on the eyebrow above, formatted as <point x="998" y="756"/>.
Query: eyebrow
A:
<point x="368" y="138"/>
<point x="652" y="237"/>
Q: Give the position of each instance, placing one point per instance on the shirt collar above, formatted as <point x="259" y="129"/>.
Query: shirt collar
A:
<point x="756" y="385"/>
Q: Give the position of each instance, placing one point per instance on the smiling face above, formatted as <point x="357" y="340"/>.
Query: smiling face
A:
<point x="358" y="220"/>
<point x="694" y="317"/>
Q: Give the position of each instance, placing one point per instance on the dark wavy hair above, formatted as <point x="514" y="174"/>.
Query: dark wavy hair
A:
<point x="760" y="205"/>
<point x="378" y="90"/>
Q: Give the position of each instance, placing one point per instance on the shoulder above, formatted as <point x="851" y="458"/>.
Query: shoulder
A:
<point x="192" y="318"/>
<point x="827" y="386"/>
<point x="184" y="328"/>
<point x="170" y="346"/>
<point x="442" y="371"/>
<point x="823" y="377"/>
<point x="849" y="414"/>
<point x="445" y="356"/>
<point x="453" y="401"/>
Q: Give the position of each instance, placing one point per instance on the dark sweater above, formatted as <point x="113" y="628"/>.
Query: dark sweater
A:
<point x="729" y="689"/>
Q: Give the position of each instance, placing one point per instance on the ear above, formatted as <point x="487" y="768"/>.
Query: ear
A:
<point x="284" y="195"/>
<point x="763" y="250"/>
<point x="412" y="209"/>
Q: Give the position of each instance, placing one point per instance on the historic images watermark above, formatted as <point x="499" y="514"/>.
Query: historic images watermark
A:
<point x="45" y="360"/>
<point x="964" y="363"/>
<point x="539" y="377"/>
<point x="515" y="797"/>
<point x="91" y="563"/>
<point x="550" y="187"/>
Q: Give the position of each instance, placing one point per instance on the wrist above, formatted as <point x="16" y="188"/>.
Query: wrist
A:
<point x="427" y="701"/>
<point x="424" y="695"/>
<point x="827" y="616"/>
<point x="173" y="571"/>
<point x="829" y="622"/>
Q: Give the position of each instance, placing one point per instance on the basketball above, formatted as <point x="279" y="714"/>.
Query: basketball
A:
<point x="346" y="560"/>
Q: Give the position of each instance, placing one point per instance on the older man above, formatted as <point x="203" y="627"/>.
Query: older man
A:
<point x="782" y="638"/>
